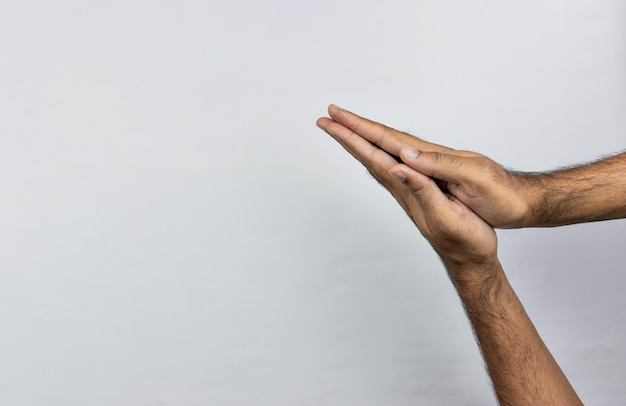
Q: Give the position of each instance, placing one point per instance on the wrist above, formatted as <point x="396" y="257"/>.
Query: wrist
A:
<point x="532" y="189"/>
<point x="472" y="274"/>
<point x="478" y="285"/>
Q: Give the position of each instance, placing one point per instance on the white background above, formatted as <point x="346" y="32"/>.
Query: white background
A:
<point x="174" y="229"/>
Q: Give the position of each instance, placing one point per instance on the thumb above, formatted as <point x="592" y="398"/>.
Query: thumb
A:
<point x="426" y="192"/>
<point x="439" y="165"/>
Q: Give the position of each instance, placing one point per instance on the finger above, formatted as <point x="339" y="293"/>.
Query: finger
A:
<point x="373" y="158"/>
<point x="387" y="138"/>
<point x="428" y="195"/>
<point x="450" y="168"/>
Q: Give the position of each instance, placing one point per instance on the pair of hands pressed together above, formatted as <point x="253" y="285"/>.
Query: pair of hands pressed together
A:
<point x="455" y="214"/>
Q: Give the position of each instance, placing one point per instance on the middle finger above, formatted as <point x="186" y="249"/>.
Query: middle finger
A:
<point x="387" y="138"/>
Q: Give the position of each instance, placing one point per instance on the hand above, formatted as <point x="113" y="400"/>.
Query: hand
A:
<point x="461" y="238"/>
<point x="503" y="199"/>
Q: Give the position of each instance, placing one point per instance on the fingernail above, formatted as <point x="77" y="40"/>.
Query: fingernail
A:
<point x="398" y="175"/>
<point x="334" y="108"/>
<point x="410" y="152"/>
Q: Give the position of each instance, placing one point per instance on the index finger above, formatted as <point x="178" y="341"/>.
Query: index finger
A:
<point x="386" y="138"/>
<point x="373" y="158"/>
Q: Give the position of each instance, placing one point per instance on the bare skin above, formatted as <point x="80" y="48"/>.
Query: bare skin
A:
<point x="505" y="199"/>
<point x="521" y="367"/>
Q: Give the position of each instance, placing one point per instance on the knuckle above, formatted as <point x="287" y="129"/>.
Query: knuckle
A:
<point x="437" y="156"/>
<point x="455" y="161"/>
<point x="377" y="153"/>
<point x="448" y="159"/>
<point x="384" y="131"/>
<point x="422" y="195"/>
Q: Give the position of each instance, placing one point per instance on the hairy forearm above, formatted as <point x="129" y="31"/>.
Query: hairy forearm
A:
<point x="521" y="367"/>
<point x="591" y="192"/>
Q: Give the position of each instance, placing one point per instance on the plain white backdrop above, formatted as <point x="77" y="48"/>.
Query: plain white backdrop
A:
<point x="175" y="230"/>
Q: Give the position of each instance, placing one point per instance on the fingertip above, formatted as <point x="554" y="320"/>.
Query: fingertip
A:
<point x="406" y="174"/>
<point x="337" y="113"/>
<point x="398" y="173"/>
<point x="334" y="110"/>
<point x="453" y="188"/>
<point x="421" y="161"/>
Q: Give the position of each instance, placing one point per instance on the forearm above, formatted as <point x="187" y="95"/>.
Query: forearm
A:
<point x="521" y="367"/>
<point x="592" y="192"/>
